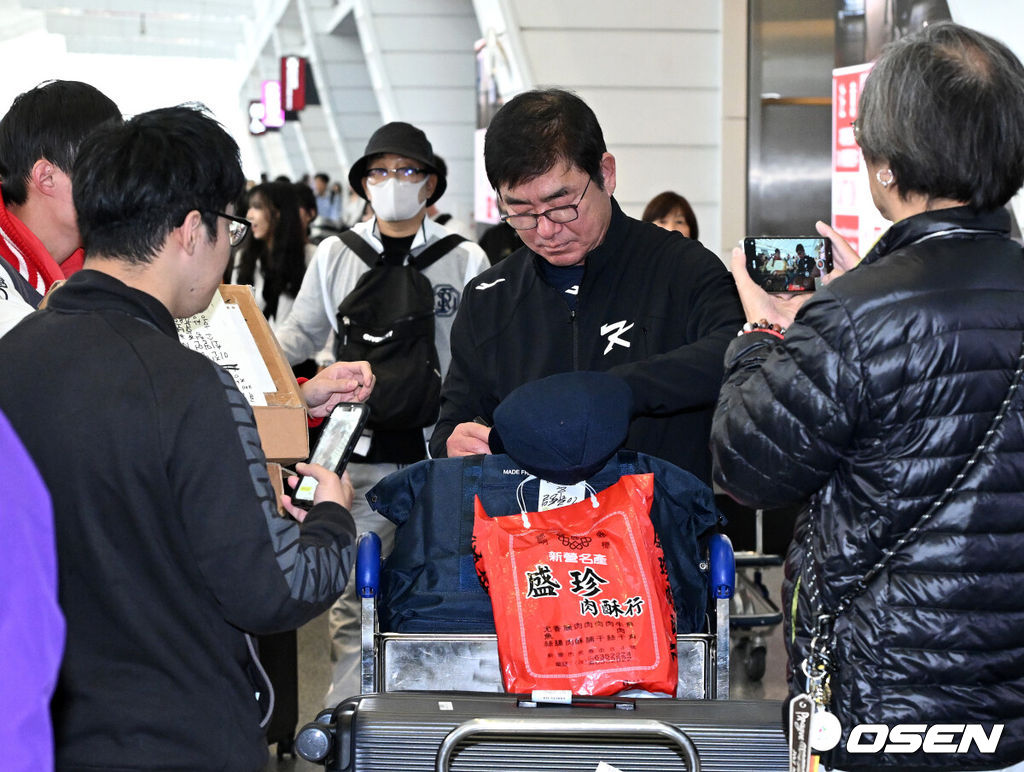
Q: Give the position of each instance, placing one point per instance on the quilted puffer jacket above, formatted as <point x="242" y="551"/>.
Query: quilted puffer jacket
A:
<point x="881" y="390"/>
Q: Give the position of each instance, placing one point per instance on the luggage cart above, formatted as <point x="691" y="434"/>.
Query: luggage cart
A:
<point x="436" y="702"/>
<point x="394" y="662"/>
<point x="753" y="613"/>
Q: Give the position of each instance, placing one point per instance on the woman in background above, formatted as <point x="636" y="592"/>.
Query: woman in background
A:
<point x="672" y="212"/>
<point x="274" y="258"/>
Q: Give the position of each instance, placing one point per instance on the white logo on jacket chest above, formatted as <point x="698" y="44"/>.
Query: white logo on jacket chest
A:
<point x="488" y="284"/>
<point x="614" y="332"/>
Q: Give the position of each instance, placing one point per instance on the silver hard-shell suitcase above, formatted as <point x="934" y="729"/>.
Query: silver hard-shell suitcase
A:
<point x="463" y="732"/>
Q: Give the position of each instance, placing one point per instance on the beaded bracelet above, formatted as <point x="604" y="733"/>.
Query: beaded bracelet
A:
<point x="762" y="325"/>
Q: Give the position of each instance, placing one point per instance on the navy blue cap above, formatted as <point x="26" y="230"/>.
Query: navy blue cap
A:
<point x="565" y="427"/>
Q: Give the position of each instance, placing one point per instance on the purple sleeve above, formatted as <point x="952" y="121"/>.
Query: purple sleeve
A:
<point x="31" y="623"/>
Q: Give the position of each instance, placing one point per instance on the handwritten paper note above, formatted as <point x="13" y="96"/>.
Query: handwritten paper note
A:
<point x="221" y="334"/>
<point x="552" y="495"/>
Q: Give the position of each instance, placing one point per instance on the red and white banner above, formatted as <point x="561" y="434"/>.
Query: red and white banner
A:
<point x="853" y="213"/>
<point x="293" y="83"/>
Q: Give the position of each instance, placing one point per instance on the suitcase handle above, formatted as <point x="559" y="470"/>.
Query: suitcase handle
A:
<point x="565" y="726"/>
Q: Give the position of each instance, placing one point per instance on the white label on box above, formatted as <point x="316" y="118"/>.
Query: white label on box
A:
<point x="221" y="334"/>
<point x="445" y="706"/>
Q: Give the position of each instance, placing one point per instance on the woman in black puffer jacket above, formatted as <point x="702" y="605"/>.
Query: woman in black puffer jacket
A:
<point x="871" y="403"/>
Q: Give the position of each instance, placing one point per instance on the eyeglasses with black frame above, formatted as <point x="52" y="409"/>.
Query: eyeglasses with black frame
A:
<point x="402" y="173"/>
<point x="237" y="227"/>
<point x="557" y="214"/>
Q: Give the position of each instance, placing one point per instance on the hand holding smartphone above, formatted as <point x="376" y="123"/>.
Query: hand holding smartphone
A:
<point x="783" y="264"/>
<point x="341" y="431"/>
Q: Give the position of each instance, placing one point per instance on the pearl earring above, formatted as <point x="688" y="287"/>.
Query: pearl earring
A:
<point x="885" y="177"/>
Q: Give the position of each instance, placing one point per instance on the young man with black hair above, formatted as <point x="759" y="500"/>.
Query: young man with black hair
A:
<point x="592" y="289"/>
<point x="39" y="239"/>
<point x="400" y="176"/>
<point x="170" y="550"/>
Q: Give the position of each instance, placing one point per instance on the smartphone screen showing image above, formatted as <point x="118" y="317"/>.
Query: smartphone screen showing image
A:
<point x="341" y="431"/>
<point x="788" y="263"/>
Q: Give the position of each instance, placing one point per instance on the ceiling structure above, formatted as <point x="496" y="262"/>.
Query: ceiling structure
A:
<point x="187" y="28"/>
<point x="371" y="61"/>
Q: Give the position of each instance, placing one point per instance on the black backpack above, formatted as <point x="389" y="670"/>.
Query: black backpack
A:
<point x="388" y="320"/>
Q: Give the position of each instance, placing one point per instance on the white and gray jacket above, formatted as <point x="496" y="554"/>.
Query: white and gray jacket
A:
<point x="335" y="269"/>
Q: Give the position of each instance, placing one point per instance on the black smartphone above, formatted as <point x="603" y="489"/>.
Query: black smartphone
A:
<point x="341" y="431"/>
<point x="788" y="263"/>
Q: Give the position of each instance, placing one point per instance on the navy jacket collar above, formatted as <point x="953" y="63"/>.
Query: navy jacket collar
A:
<point x="612" y="245"/>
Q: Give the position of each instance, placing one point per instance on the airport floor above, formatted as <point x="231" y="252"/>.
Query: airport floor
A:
<point x="315" y="668"/>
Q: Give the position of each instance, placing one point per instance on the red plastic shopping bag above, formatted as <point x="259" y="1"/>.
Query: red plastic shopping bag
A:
<point x="580" y="594"/>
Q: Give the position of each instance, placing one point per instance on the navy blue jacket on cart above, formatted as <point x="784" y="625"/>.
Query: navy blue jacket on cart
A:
<point x="429" y="583"/>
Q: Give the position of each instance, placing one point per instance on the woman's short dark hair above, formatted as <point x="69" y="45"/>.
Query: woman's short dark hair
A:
<point x="536" y="130"/>
<point x="49" y="121"/>
<point x="944" y="109"/>
<point x="664" y="204"/>
<point x="133" y="183"/>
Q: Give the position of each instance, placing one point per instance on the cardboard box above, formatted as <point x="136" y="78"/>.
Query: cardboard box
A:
<point x="282" y="425"/>
<point x="277" y="482"/>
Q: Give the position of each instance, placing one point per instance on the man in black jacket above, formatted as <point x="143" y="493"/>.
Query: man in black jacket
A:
<point x="169" y="545"/>
<point x="592" y="289"/>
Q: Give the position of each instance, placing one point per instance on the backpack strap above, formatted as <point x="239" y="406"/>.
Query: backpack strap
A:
<point x="436" y="251"/>
<point x="358" y="245"/>
<point x="428" y="256"/>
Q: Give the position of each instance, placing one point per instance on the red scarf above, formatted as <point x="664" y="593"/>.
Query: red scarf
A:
<point x="22" y="249"/>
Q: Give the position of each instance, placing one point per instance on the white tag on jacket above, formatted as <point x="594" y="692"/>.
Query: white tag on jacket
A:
<point x="552" y="495"/>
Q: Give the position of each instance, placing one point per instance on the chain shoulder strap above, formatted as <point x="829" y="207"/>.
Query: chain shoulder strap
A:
<point x="820" y="643"/>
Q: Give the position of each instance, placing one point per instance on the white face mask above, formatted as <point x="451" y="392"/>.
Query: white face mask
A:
<point x="393" y="200"/>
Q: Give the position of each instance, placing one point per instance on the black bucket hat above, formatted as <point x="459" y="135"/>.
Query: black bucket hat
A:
<point x="401" y="139"/>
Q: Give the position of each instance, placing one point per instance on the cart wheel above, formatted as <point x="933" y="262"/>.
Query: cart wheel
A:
<point x="754" y="663"/>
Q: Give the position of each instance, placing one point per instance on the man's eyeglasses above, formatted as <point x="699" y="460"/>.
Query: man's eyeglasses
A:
<point x="558" y="214"/>
<point x="237" y="227"/>
<point x="855" y="124"/>
<point x="402" y="173"/>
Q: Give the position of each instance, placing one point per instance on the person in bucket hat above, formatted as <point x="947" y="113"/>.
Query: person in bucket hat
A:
<point x="399" y="175"/>
<point x="411" y="144"/>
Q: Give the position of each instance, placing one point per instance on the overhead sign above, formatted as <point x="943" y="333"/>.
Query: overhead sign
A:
<point x="273" y="113"/>
<point x="256" y="112"/>
<point x="293" y="83"/>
